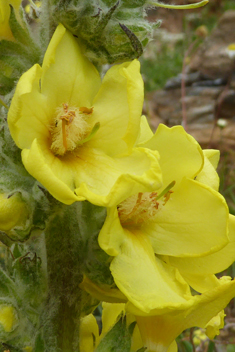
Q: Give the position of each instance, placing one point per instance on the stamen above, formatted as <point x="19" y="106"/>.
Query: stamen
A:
<point x="86" y="111"/>
<point x="66" y="120"/>
<point x="70" y="128"/>
<point x="166" y="190"/>
<point x="64" y="135"/>
<point x="143" y="207"/>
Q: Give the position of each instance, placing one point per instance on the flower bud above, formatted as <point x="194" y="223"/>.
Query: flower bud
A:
<point x="109" y="30"/>
<point x="13" y="212"/>
<point x="8" y="317"/>
<point x="202" y="31"/>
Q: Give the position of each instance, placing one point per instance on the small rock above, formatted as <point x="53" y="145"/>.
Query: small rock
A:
<point x="211" y="57"/>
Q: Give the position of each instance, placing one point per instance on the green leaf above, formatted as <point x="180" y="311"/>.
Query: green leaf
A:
<point x="11" y="48"/>
<point x="118" y="339"/>
<point x="211" y="347"/>
<point x="14" y="61"/>
<point x="6" y="84"/>
<point x="187" y="346"/>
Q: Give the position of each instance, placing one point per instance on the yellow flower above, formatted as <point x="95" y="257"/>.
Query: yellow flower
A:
<point x="77" y="134"/>
<point x="159" y="330"/>
<point x="184" y="220"/>
<point x="5" y="31"/>
<point x="230" y="50"/>
<point x="89" y="331"/>
<point x="160" y="326"/>
<point x="215" y="324"/>
<point x="199" y="337"/>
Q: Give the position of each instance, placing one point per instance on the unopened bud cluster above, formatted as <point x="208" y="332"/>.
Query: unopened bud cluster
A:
<point x="109" y="30"/>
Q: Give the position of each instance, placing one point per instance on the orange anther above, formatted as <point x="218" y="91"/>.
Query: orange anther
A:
<point x="86" y="111"/>
<point x="65" y="106"/>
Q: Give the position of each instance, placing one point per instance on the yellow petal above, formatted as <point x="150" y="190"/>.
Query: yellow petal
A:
<point x="107" y="181"/>
<point x="173" y="347"/>
<point x="50" y="171"/>
<point x="89" y="334"/>
<point x="192" y="223"/>
<point x="144" y="279"/>
<point x="118" y="108"/>
<point x="214" y="325"/>
<point x="16" y="3"/>
<point x="159" y="331"/>
<point x="68" y="76"/>
<point x="112" y="233"/>
<point x="5" y="31"/>
<point x="208" y="175"/>
<point x="212" y="263"/>
<point x="110" y="314"/>
<point x="180" y="154"/>
<point x="213" y="156"/>
<point x="93" y="175"/>
<point x="29" y="114"/>
<point x="145" y="131"/>
<point x="136" y="341"/>
<point x="200" y="283"/>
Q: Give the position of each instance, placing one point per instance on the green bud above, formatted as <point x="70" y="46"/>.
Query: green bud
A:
<point x="109" y="30"/>
<point x="8" y="318"/>
<point x="13" y="212"/>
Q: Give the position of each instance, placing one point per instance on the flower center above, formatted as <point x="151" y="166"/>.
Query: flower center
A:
<point x="143" y="207"/>
<point x="69" y="128"/>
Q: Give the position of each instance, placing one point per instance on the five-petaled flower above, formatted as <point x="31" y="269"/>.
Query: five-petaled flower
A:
<point x="78" y="134"/>
<point x="153" y="236"/>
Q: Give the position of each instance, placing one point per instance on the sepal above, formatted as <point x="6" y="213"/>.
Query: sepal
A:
<point x="19" y="53"/>
<point x="118" y="339"/>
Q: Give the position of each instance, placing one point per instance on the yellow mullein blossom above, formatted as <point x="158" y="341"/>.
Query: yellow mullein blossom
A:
<point x="163" y="241"/>
<point x="77" y="134"/>
<point x="160" y="326"/>
<point x="89" y="331"/>
<point x="158" y="329"/>
<point x="149" y="233"/>
<point x="230" y="50"/>
<point x="199" y="272"/>
<point x="5" y="31"/>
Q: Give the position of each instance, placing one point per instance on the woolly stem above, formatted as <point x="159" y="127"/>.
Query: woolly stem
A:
<point x="61" y="332"/>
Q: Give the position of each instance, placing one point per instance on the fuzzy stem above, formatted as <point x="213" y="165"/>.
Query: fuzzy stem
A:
<point x="61" y="331"/>
<point x="48" y="24"/>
